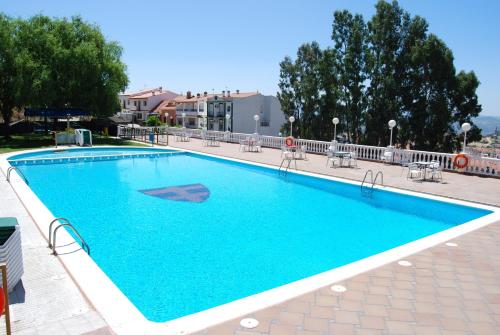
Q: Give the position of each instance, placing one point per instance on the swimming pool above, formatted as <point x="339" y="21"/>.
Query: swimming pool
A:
<point x="182" y="233"/>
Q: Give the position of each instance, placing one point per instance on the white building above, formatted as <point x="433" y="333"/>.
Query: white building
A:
<point x="233" y="112"/>
<point x="137" y="106"/>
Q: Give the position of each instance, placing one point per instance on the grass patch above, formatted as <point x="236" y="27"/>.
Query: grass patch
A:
<point x="35" y="141"/>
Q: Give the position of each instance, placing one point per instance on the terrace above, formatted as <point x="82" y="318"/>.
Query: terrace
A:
<point x="447" y="289"/>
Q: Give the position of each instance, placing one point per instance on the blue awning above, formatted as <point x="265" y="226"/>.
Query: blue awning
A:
<point x="55" y="112"/>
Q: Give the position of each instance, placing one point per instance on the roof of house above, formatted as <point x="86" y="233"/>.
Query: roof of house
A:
<point x="194" y="98"/>
<point x="164" y="106"/>
<point x="149" y="93"/>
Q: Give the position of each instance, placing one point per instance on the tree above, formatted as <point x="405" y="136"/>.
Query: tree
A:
<point x="386" y="30"/>
<point x="153" y="121"/>
<point x="12" y="80"/>
<point x="466" y="105"/>
<point x="388" y="68"/>
<point x="349" y="36"/>
<point x="68" y="65"/>
<point x="287" y="85"/>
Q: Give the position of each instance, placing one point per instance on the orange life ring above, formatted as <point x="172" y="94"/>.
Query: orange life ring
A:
<point x="289" y="141"/>
<point x="461" y="161"/>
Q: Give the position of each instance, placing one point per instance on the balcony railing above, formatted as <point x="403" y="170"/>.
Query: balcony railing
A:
<point x="485" y="166"/>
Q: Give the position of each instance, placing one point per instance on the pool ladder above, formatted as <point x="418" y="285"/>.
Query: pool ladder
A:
<point x="286" y="164"/>
<point x="12" y="168"/>
<point x="53" y="235"/>
<point x="368" y="189"/>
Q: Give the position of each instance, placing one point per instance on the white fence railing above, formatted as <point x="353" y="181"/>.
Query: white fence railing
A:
<point x="477" y="165"/>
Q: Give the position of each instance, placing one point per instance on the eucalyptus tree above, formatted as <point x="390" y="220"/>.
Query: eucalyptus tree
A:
<point x="388" y="68"/>
<point x="349" y="34"/>
<point x="300" y="88"/>
<point x="466" y="105"/>
<point x="385" y="35"/>
<point x="287" y="94"/>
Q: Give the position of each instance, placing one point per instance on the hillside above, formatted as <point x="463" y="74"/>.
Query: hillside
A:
<point x="488" y="123"/>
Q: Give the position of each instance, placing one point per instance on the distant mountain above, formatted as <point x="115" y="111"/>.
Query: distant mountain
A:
<point x="487" y="124"/>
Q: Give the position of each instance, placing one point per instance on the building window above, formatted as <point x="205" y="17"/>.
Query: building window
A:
<point x="144" y="103"/>
<point x="229" y="109"/>
<point x="139" y="116"/>
<point x="128" y="102"/>
<point x="191" y="122"/>
<point x="135" y="103"/>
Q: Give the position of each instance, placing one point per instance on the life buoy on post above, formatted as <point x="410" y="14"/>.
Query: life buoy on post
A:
<point x="289" y="141"/>
<point x="461" y="161"/>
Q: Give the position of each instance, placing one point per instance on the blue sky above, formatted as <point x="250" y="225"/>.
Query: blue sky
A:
<point x="200" y="45"/>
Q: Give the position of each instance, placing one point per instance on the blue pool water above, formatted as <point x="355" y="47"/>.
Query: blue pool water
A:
<point x="248" y="231"/>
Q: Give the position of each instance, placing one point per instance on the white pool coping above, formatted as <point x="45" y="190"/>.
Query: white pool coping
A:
<point x="124" y="318"/>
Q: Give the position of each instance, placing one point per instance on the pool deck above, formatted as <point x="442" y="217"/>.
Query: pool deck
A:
<point x="447" y="290"/>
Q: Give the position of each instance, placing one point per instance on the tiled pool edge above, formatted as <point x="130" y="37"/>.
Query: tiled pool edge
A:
<point x="126" y="319"/>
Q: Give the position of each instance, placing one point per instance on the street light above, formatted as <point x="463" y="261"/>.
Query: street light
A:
<point x="67" y="121"/>
<point x="228" y="116"/>
<point x="335" y="122"/>
<point x="292" y="120"/>
<point x="465" y="127"/>
<point x="183" y="116"/>
<point x="256" y="117"/>
<point x="391" y="124"/>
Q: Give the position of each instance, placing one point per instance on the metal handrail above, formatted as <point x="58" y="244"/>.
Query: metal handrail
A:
<point x="19" y="172"/>
<point x="364" y="179"/>
<point x="50" y="228"/>
<point x="381" y="179"/>
<point x="52" y="237"/>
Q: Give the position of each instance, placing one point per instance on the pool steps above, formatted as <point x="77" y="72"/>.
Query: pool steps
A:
<point x="77" y="159"/>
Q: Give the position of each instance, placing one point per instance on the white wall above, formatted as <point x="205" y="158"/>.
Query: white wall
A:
<point x="267" y="107"/>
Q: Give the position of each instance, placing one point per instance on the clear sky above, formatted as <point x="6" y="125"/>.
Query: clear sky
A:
<point x="204" y="45"/>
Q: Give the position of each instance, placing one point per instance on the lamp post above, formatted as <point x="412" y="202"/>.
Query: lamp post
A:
<point x="292" y="120"/>
<point x="391" y="125"/>
<point x="256" y="117"/>
<point x="465" y="127"/>
<point x="67" y="122"/>
<point x="228" y="116"/>
<point x="335" y="122"/>
<point x="183" y="116"/>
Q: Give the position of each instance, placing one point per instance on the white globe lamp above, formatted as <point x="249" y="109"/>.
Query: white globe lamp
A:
<point x="256" y="117"/>
<point x="335" y="122"/>
<point x="391" y="124"/>
<point x="465" y="127"/>
<point x="292" y="120"/>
